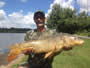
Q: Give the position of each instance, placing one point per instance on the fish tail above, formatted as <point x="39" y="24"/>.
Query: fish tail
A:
<point x="13" y="54"/>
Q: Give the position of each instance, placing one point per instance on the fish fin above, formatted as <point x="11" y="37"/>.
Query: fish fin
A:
<point x="51" y="53"/>
<point x="48" y="55"/>
<point x="13" y="54"/>
<point x="14" y="46"/>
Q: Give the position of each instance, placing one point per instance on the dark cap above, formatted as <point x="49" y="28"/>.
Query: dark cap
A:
<point x="39" y="14"/>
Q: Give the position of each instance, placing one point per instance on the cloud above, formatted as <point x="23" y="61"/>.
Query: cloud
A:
<point x="2" y="15"/>
<point x="84" y="5"/>
<point x="23" y="1"/>
<point x="2" y="4"/>
<point x="17" y="20"/>
<point x="63" y="3"/>
<point x="4" y="22"/>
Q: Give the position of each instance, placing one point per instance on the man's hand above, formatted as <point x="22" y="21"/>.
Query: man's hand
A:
<point x="28" y="51"/>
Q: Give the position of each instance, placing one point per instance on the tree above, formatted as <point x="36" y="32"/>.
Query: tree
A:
<point x="66" y="20"/>
<point x="60" y="18"/>
<point x="53" y="17"/>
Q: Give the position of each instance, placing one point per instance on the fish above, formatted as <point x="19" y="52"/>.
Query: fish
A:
<point x="51" y="45"/>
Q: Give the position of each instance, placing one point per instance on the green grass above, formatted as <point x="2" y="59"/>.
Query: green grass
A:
<point x="78" y="57"/>
<point x="23" y="60"/>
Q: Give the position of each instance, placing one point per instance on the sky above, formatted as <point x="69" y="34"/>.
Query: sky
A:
<point x="19" y="13"/>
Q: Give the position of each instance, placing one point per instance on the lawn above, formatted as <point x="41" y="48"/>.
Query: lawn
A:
<point x="78" y="57"/>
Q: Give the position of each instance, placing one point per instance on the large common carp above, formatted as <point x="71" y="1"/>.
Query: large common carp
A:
<point x="51" y="45"/>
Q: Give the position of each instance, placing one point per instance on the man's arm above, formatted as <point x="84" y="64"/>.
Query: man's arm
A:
<point x="27" y="36"/>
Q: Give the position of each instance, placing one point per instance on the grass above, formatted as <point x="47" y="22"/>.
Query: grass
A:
<point x="78" y="57"/>
<point x="23" y="60"/>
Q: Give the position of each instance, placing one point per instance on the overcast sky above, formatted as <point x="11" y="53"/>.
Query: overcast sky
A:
<point x="19" y="13"/>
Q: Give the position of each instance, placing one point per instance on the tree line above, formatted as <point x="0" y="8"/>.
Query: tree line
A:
<point x="68" y="21"/>
<point x="14" y="30"/>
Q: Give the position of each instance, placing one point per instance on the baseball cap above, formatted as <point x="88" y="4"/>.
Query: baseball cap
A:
<point x="40" y="14"/>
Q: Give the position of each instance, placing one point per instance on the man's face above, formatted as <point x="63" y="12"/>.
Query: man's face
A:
<point x="40" y="21"/>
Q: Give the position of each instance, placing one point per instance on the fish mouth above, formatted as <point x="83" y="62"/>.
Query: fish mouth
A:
<point x="80" y="42"/>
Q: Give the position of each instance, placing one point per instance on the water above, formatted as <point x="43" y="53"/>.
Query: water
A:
<point x="7" y="39"/>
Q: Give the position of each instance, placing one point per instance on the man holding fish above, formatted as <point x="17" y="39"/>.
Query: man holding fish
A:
<point x="42" y="45"/>
<point x="37" y="60"/>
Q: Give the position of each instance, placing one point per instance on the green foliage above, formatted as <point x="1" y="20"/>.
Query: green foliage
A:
<point x="14" y="30"/>
<point x="54" y="16"/>
<point x="66" y="20"/>
<point x="22" y="61"/>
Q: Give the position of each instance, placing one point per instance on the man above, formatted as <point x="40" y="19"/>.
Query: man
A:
<point x="37" y="60"/>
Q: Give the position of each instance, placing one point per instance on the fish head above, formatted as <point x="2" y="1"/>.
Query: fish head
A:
<point x="71" y="41"/>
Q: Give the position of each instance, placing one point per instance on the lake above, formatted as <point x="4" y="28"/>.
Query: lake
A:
<point x="7" y="39"/>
